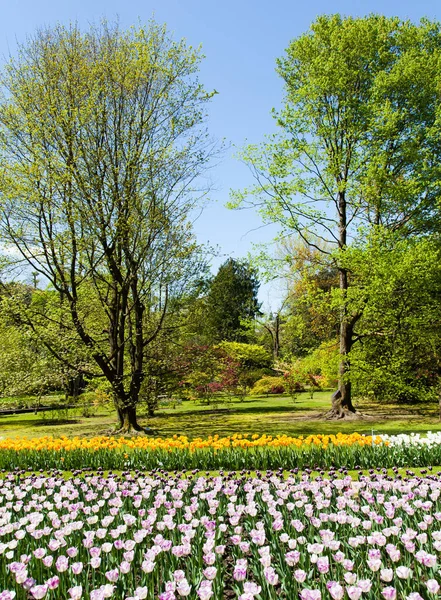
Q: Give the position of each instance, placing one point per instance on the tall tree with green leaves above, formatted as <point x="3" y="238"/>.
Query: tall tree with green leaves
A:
<point x="231" y="300"/>
<point x="397" y="354"/>
<point x="26" y="365"/>
<point x="358" y="144"/>
<point x="102" y="142"/>
<point x="42" y="351"/>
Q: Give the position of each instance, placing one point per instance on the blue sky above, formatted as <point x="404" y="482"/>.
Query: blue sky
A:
<point x="241" y="40"/>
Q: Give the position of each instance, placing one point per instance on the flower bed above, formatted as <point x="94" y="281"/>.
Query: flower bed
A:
<point x="167" y="537"/>
<point x="235" y="452"/>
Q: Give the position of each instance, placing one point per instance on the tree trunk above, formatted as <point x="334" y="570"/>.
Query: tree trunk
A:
<point x="342" y="406"/>
<point x="273" y="329"/>
<point x="439" y="403"/>
<point x="126" y="413"/>
<point x="120" y="414"/>
<point x="276" y="336"/>
<point x="344" y="384"/>
<point x="75" y="386"/>
<point x="127" y="419"/>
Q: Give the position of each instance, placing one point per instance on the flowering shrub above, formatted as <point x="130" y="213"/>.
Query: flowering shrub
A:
<point x="156" y="536"/>
<point x="265" y="385"/>
<point x="276" y="389"/>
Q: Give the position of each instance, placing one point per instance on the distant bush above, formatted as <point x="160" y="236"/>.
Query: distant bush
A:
<point x="250" y="356"/>
<point x="98" y="393"/>
<point x="315" y="371"/>
<point x="268" y="385"/>
<point x="94" y="398"/>
<point x="170" y="402"/>
<point x="277" y="389"/>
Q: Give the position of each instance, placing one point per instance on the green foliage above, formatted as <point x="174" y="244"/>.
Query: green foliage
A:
<point x="26" y="364"/>
<point x="98" y="393"/>
<point x="102" y="141"/>
<point x="268" y="385"/>
<point x="307" y="316"/>
<point x="398" y="351"/>
<point x="199" y="370"/>
<point x="358" y="145"/>
<point x="231" y="299"/>
<point x="355" y="122"/>
<point x="249" y="355"/>
<point x="321" y="365"/>
<point x="101" y="212"/>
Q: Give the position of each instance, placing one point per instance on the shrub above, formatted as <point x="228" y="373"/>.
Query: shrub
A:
<point x="250" y="356"/>
<point x="277" y="389"/>
<point x="268" y="385"/>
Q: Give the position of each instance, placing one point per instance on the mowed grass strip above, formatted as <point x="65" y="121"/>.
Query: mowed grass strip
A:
<point x="270" y="415"/>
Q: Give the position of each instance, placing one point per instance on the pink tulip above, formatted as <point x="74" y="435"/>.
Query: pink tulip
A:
<point x="167" y="596"/>
<point x="124" y="567"/>
<point x="76" y="568"/>
<point x="210" y="573"/>
<point x="348" y="564"/>
<point x="271" y="576"/>
<point x="39" y="591"/>
<point x="76" y="593"/>
<point x="48" y="560"/>
<point x="389" y="593"/>
<point x="252" y="588"/>
<point x="205" y="591"/>
<point x="292" y="557"/>
<point x="209" y="558"/>
<point x="403" y="572"/>
<point x="432" y="586"/>
<point x="112" y="575"/>
<point x="300" y="575"/>
<point x="240" y="570"/>
<point x="323" y="564"/>
<point x="350" y="578"/>
<point x="374" y="564"/>
<point x="62" y="564"/>
<point x="147" y="566"/>
<point x="386" y="575"/>
<point x="354" y="592"/>
<point x="307" y="594"/>
<point x="53" y="582"/>
<point x="365" y="585"/>
<point x="183" y="588"/>
<point x="336" y="591"/>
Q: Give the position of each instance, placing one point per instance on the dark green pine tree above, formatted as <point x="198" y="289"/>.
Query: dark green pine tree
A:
<point x="232" y="299"/>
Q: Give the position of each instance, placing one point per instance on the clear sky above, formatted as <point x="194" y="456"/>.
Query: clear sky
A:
<point x="241" y="40"/>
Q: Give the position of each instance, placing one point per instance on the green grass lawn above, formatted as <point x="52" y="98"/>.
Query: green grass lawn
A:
<point x="312" y="474"/>
<point x="272" y="415"/>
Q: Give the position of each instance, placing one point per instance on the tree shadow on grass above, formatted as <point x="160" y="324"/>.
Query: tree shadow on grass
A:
<point x="54" y="422"/>
<point x="232" y="411"/>
<point x="404" y="410"/>
<point x="29" y="424"/>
